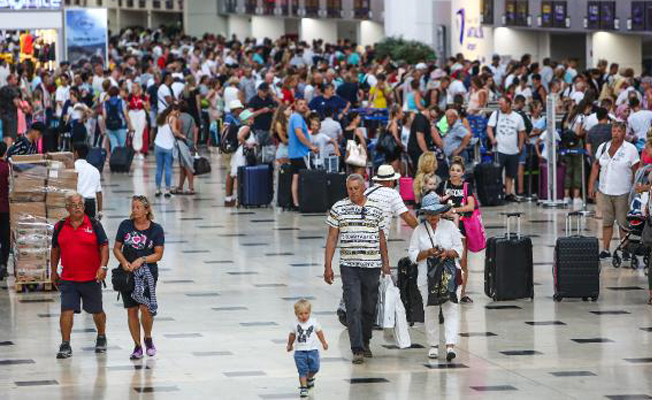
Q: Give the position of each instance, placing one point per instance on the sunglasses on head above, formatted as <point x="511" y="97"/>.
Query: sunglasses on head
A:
<point x="140" y="198"/>
<point x="363" y="213"/>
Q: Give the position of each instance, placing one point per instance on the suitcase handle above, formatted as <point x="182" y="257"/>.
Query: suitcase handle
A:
<point x="569" y="222"/>
<point x="508" y="218"/>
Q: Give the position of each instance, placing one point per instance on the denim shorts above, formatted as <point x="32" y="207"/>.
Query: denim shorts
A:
<point x="307" y="362"/>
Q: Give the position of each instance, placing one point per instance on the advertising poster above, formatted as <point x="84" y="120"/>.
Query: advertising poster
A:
<point x="87" y="35"/>
<point x="468" y="36"/>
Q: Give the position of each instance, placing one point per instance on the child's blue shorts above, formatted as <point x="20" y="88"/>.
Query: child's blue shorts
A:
<point x="307" y="362"/>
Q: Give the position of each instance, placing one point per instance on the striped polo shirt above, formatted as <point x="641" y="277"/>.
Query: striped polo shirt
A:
<point x="359" y="236"/>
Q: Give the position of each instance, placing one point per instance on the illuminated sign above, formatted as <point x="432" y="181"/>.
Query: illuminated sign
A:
<point x="30" y="4"/>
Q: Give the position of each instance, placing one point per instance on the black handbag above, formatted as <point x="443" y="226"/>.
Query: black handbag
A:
<point x="387" y="144"/>
<point x="201" y="166"/>
<point x="440" y="274"/>
<point x="122" y="280"/>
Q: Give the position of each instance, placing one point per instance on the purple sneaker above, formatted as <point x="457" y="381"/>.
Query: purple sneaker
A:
<point x="137" y="354"/>
<point x="149" y="345"/>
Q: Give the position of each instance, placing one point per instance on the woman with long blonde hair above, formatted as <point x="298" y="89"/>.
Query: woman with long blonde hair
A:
<point x="427" y="165"/>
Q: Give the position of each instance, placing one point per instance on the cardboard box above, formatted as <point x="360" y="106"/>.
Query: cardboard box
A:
<point x="35" y="270"/>
<point x="56" y="213"/>
<point x="38" y="254"/>
<point x="28" y="185"/>
<point x="33" y="169"/>
<point x="23" y="197"/>
<point x="62" y="180"/>
<point x="65" y="157"/>
<point x="55" y="200"/>
<point x="28" y="158"/>
<point x="18" y="211"/>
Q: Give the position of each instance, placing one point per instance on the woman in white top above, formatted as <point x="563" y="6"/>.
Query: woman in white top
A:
<point x="447" y="244"/>
<point x="246" y="140"/>
<point x="164" y="147"/>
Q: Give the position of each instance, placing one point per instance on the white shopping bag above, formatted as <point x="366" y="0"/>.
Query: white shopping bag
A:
<point x="401" y="332"/>
<point x="380" y="305"/>
<point x="392" y="295"/>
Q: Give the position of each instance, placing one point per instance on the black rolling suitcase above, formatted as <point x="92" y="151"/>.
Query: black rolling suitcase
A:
<point x="508" y="265"/>
<point x="313" y="191"/>
<point x="255" y="186"/>
<point x="284" y="192"/>
<point x="489" y="184"/>
<point x="121" y="159"/>
<point x="576" y="271"/>
<point x="336" y="187"/>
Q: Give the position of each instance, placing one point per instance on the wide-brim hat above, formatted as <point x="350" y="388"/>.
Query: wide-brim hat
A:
<point x="386" y="173"/>
<point x="431" y="205"/>
<point x="234" y="104"/>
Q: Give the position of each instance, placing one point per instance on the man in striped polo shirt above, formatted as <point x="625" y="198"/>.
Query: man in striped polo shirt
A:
<point x="358" y="224"/>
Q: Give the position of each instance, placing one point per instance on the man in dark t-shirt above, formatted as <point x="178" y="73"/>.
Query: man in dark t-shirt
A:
<point x="263" y="106"/>
<point x="600" y="133"/>
<point x="421" y="138"/>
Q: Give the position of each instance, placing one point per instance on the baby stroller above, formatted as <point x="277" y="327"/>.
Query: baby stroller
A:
<point x="631" y="244"/>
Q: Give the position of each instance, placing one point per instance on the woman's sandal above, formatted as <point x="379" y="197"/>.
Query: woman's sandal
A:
<point x="190" y="192"/>
<point x="177" y="191"/>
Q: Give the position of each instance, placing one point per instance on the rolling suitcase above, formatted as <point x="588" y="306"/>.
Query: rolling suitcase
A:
<point x="576" y="271"/>
<point x="284" y="192"/>
<point x="97" y="157"/>
<point x="508" y="265"/>
<point x="336" y="187"/>
<point x="255" y="186"/>
<point x="121" y="159"/>
<point x="313" y="191"/>
<point x="489" y="184"/>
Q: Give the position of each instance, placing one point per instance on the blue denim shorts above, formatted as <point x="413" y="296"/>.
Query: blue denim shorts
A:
<point x="307" y="362"/>
<point x="522" y="158"/>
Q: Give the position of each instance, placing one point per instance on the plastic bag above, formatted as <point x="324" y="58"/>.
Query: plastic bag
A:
<point x="387" y="297"/>
<point x="401" y="332"/>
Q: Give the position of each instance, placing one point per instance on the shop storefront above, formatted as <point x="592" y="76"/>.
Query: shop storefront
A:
<point x="32" y="29"/>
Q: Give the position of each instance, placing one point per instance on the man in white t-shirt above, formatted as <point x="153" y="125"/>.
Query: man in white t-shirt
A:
<point x="506" y="131"/>
<point x="456" y="87"/>
<point x="164" y="94"/>
<point x="616" y="163"/>
<point x="626" y="90"/>
<point x="388" y="198"/>
<point x="639" y="120"/>
<point x="62" y="95"/>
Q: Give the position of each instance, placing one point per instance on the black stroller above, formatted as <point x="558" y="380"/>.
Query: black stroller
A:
<point x="631" y="244"/>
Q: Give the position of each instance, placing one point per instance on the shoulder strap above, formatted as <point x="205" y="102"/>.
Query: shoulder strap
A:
<point x="466" y="190"/>
<point x="425" y="224"/>
<point x="59" y="226"/>
<point x="371" y="190"/>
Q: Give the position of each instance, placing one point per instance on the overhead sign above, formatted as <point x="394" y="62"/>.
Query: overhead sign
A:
<point x="468" y="36"/>
<point x="87" y="36"/>
<point x="30" y="4"/>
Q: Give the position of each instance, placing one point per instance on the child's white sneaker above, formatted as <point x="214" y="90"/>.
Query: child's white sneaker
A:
<point x="433" y="353"/>
<point x="303" y="392"/>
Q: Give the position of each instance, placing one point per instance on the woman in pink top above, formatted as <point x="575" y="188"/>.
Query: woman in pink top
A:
<point x="23" y="110"/>
<point x="478" y="98"/>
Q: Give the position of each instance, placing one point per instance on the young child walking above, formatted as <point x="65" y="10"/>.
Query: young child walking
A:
<point x="306" y="330"/>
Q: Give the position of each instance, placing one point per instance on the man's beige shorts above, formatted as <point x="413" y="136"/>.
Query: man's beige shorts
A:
<point x="226" y="161"/>
<point x="614" y="208"/>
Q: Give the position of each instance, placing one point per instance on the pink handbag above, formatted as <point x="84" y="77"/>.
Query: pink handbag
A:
<point x="405" y="189"/>
<point x="475" y="236"/>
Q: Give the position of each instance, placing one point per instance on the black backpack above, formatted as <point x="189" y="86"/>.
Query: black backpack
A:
<point x="113" y="119"/>
<point x="229" y="140"/>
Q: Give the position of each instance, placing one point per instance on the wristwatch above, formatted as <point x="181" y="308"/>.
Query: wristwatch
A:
<point x="105" y="268"/>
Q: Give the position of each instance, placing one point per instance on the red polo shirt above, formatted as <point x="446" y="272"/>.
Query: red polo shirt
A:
<point x="80" y="249"/>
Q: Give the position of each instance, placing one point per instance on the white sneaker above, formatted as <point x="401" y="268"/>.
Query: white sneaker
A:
<point x="578" y="203"/>
<point x="433" y="353"/>
<point x="567" y="200"/>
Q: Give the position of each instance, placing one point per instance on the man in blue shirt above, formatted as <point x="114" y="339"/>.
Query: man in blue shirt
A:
<point x="330" y="101"/>
<point x="299" y="145"/>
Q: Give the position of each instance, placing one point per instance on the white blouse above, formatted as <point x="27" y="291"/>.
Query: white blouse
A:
<point x="446" y="236"/>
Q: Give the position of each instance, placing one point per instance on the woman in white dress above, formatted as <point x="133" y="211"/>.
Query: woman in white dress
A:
<point x="246" y="140"/>
<point x="138" y="109"/>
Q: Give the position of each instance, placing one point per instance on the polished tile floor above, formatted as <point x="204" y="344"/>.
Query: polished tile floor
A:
<point x="228" y="282"/>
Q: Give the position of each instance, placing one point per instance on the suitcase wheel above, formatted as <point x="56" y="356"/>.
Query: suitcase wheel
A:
<point x="594" y="298"/>
<point x="615" y="260"/>
<point x="557" y="298"/>
<point x="585" y="298"/>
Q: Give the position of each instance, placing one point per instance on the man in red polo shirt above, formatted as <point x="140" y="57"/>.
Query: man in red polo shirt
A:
<point x="83" y="248"/>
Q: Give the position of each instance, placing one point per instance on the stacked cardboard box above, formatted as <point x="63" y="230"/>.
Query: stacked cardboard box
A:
<point x="38" y="186"/>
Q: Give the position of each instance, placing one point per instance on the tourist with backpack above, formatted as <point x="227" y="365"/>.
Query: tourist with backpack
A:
<point x="436" y="246"/>
<point x="116" y="119"/>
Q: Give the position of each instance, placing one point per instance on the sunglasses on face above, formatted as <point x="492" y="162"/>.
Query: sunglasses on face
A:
<point x="363" y="213"/>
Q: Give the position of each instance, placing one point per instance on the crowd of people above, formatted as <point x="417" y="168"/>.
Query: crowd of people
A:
<point x="339" y="107"/>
